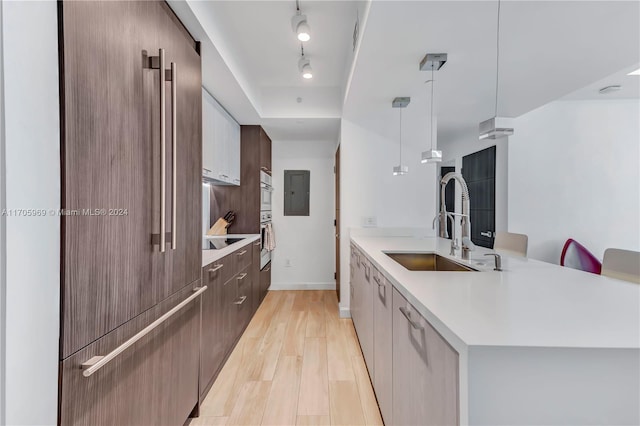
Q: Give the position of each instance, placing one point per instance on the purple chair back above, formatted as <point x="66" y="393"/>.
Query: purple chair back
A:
<point x="576" y="256"/>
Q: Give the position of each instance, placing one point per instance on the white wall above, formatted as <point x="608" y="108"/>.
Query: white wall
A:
<point x="368" y="188"/>
<point x="32" y="176"/>
<point x="573" y="173"/>
<point x="3" y="279"/>
<point x="452" y="153"/>
<point x="307" y="241"/>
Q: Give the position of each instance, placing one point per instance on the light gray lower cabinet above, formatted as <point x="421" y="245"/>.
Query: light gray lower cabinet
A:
<point x="363" y="315"/>
<point x="382" y="344"/>
<point x="425" y="370"/>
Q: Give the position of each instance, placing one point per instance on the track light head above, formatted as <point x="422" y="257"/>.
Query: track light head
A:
<point x="301" y="27"/>
<point x="304" y="66"/>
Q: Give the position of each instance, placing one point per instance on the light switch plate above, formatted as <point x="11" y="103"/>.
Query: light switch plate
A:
<point x="369" y="222"/>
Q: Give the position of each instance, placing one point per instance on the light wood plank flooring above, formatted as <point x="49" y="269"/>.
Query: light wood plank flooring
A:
<point x="297" y="363"/>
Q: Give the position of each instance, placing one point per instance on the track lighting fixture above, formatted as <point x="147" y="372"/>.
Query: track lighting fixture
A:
<point x="304" y="65"/>
<point x="300" y="25"/>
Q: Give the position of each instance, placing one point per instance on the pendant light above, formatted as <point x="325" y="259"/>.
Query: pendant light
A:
<point x="433" y="62"/>
<point x="496" y="127"/>
<point x="400" y="103"/>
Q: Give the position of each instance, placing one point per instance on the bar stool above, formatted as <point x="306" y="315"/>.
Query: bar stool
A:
<point x="575" y="255"/>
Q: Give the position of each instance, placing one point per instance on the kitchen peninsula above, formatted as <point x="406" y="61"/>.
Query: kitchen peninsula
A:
<point x="535" y="342"/>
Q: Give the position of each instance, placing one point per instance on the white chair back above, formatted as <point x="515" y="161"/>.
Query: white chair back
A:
<point x="511" y="244"/>
<point x="621" y="264"/>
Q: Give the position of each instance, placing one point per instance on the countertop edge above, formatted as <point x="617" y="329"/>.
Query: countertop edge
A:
<point x="210" y="256"/>
<point x="458" y="342"/>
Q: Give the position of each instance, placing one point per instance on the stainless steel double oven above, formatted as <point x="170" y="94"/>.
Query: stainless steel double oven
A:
<point x="266" y="191"/>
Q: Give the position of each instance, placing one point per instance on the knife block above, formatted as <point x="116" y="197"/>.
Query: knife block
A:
<point x="219" y="228"/>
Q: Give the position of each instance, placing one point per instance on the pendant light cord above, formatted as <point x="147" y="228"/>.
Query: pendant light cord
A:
<point x="298" y="6"/>
<point x="495" y="114"/>
<point x="431" y="125"/>
<point x="302" y="49"/>
<point x="400" y="137"/>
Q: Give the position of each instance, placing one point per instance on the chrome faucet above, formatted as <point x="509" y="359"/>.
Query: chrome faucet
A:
<point x="467" y="245"/>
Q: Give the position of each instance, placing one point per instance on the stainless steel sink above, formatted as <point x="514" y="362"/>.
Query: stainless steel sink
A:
<point x="428" y="262"/>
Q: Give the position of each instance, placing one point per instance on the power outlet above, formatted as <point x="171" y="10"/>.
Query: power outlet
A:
<point x="369" y="222"/>
<point x="287" y="263"/>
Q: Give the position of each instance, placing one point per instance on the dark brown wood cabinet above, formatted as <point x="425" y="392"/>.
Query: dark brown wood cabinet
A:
<point x="154" y="382"/>
<point x="255" y="275"/>
<point x="227" y="309"/>
<point x="115" y="280"/>
<point x="255" y="156"/>
<point x="265" y="280"/>
<point x="111" y="164"/>
<point x="213" y="346"/>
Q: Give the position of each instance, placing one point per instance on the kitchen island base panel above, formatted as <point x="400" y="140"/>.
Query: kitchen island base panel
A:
<point x="518" y="386"/>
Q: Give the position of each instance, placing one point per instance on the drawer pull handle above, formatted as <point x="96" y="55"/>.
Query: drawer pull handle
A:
<point x="97" y="362"/>
<point x="241" y="276"/>
<point x="407" y="315"/>
<point x="216" y="268"/>
<point x="257" y="244"/>
<point x="377" y="280"/>
<point x="241" y="301"/>
<point x="241" y="253"/>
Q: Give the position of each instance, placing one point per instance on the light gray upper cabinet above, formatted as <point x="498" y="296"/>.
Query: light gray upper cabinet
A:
<point x="220" y="143"/>
<point x="425" y="370"/>
<point x="382" y="344"/>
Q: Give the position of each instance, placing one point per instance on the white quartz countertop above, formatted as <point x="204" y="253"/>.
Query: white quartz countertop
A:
<point x="529" y="304"/>
<point x="210" y="256"/>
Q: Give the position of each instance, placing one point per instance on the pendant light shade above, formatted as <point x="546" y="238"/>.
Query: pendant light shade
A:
<point x="400" y="103"/>
<point x="400" y="170"/>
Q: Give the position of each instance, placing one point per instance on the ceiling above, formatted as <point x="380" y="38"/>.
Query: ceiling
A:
<point x="548" y="49"/>
<point x="256" y="41"/>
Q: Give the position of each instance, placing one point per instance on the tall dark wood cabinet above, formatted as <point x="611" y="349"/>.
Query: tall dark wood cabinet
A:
<point x="115" y="279"/>
<point x="255" y="156"/>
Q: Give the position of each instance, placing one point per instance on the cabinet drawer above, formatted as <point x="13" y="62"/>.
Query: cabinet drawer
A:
<point x="155" y="381"/>
<point x="245" y="299"/>
<point x="242" y="257"/>
<point x="223" y="269"/>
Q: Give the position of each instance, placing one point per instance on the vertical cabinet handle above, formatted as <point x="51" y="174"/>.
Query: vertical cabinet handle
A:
<point x="163" y="153"/>
<point x="174" y="152"/>
<point x="158" y="62"/>
<point x="241" y="301"/>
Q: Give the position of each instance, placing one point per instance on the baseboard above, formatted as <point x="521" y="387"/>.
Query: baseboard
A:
<point x="303" y="286"/>
<point x="345" y="312"/>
